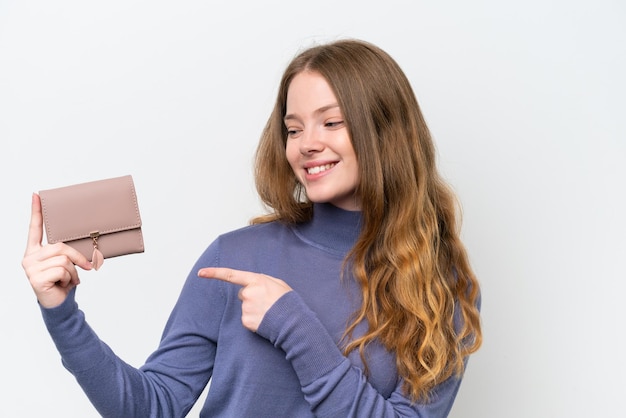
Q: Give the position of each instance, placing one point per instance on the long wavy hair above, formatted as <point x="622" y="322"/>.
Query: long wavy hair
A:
<point x="419" y="294"/>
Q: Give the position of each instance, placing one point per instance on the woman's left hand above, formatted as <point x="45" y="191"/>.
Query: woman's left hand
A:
<point x="258" y="294"/>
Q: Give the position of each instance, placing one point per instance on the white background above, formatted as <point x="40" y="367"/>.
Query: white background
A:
<point x="524" y="99"/>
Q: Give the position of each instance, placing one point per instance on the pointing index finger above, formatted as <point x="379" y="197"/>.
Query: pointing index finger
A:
<point x="239" y="277"/>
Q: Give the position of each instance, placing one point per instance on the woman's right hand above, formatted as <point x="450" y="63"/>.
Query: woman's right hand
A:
<point x="51" y="268"/>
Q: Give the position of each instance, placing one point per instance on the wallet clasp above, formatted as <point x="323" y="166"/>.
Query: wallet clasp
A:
<point x="96" y="258"/>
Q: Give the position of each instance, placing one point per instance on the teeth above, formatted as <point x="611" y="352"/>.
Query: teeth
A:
<point x="319" y="168"/>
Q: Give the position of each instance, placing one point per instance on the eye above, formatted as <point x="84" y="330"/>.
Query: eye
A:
<point x="293" y="132"/>
<point x="333" y="124"/>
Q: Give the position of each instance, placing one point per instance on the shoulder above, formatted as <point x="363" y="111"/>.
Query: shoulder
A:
<point x="254" y="239"/>
<point x="254" y="232"/>
<point x="252" y="247"/>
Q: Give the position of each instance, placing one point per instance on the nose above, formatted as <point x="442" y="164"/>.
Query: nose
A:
<point x="310" y="142"/>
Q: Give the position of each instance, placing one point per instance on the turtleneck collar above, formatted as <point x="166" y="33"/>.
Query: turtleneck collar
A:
<point x="332" y="229"/>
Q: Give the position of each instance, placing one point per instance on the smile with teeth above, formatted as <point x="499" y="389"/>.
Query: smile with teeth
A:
<point x="320" y="168"/>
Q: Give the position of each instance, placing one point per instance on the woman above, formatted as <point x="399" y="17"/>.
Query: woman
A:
<point x="377" y="309"/>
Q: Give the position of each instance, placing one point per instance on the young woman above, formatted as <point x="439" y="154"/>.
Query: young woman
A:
<point x="352" y="297"/>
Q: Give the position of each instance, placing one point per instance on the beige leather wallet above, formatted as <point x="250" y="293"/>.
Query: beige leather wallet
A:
<point x="98" y="218"/>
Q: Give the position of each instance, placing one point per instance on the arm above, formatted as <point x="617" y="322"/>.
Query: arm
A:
<point x="167" y="385"/>
<point x="329" y="381"/>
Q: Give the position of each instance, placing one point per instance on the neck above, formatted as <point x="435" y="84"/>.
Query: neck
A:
<point x="332" y="229"/>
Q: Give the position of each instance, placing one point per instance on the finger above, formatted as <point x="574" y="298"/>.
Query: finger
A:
<point x="58" y="270"/>
<point x="62" y="249"/>
<point x="53" y="262"/>
<point x="57" y="276"/>
<point x="240" y="277"/>
<point x="78" y="258"/>
<point x="70" y="267"/>
<point x="35" y="228"/>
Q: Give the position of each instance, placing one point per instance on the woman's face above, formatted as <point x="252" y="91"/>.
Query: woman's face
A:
<point x="318" y="148"/>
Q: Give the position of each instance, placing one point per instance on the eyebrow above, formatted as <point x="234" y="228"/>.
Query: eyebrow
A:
<point x="321" y="110"/>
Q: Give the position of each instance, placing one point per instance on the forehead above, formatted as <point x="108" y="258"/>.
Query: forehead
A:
<point x="308" y="90"/>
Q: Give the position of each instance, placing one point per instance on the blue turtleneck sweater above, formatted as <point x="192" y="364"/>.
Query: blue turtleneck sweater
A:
<point x="291" y="367"/>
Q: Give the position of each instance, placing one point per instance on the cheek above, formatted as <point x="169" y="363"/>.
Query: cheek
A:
<point x="292" y="153"/>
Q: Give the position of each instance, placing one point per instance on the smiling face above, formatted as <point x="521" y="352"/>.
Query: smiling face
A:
<point x="318" y="148"/>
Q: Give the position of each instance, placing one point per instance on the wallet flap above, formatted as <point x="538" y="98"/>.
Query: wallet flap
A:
<point x="103" y="206"/>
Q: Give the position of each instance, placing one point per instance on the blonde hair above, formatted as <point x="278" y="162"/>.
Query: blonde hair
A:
<point x="419" y="293"/>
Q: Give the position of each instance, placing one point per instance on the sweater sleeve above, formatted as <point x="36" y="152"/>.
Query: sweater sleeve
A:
<point x="330" y="383"/>
<point x="170" y="381"/>
<point x="114" y="387"/>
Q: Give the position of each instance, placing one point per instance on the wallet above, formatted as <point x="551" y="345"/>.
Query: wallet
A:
<point x="98" y="218"/>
